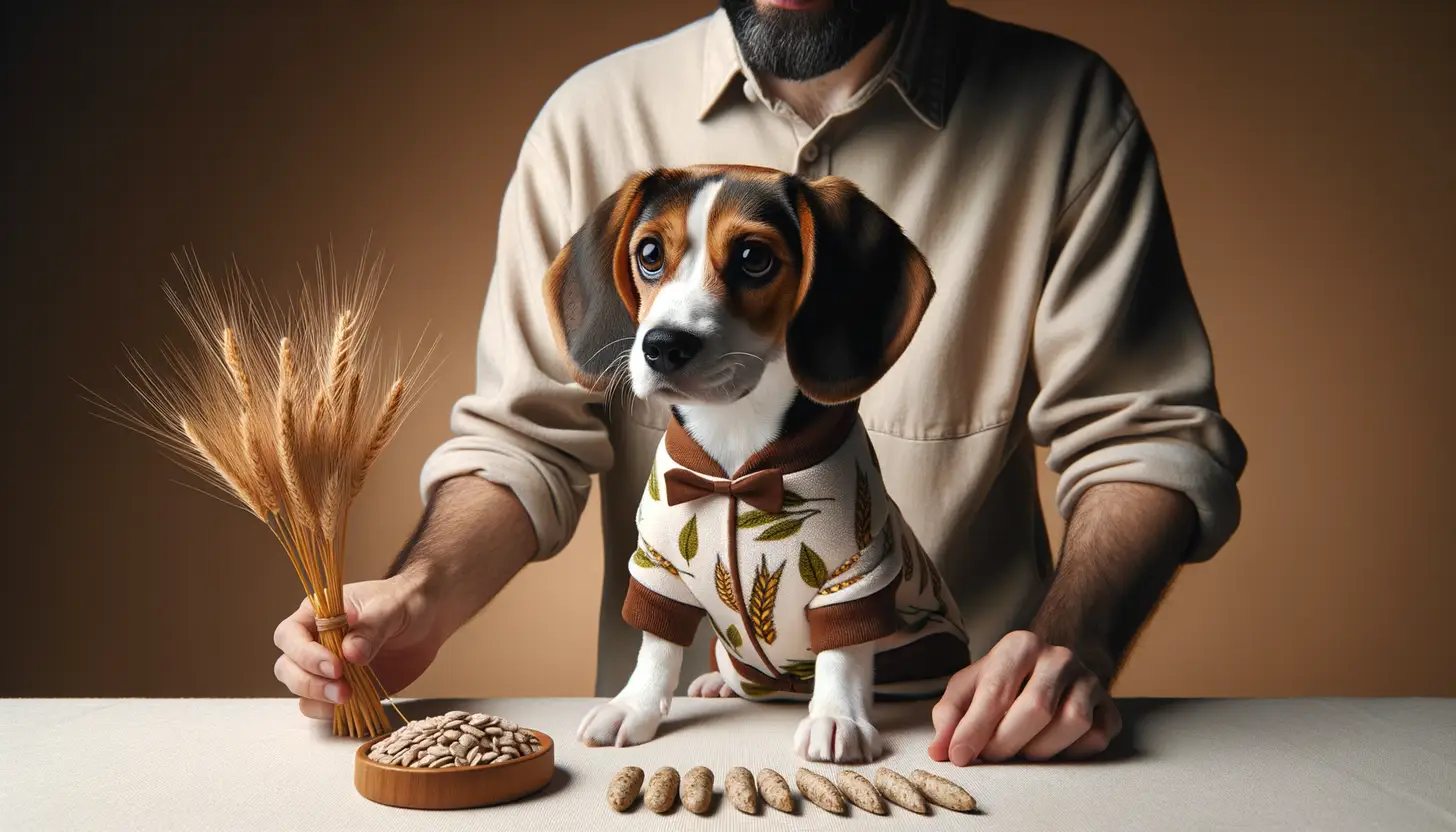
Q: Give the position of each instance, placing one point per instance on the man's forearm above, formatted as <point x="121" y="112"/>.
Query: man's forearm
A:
<point x="1122" y="547"/>
<point x="473" y="538"/>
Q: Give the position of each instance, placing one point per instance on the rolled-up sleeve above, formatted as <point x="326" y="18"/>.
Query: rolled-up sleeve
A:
<point x="1125" y="371"/>
<point x="526" y="426"/>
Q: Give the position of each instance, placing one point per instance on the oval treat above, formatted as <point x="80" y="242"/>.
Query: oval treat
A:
<point x="738" y="786"/>
<point x="943" y="792"/>
<point x="661" y="791"/>
<point x="624" y="788"/>
<point x="775" y="790"/>
<point x="900" y="791"/>
<point x="818" y="790"/>
<point x="860" y="792"/>
<point x="697" y="790"/>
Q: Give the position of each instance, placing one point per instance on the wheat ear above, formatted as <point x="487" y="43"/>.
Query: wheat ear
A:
<point x="341" y="444"/>
<point x="383" y="430"/>
<point x="288" y="433"/>
<point x="233" y="356"/>
<point x="232" y="479"/>
<point x="253" y="446"/>
<point x="340" y="354"/>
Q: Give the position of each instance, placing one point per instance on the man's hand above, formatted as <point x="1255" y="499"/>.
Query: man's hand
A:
<point x="390" y="629"/>
<point x="1024" y="698"/>
<point x="473" y="538"/>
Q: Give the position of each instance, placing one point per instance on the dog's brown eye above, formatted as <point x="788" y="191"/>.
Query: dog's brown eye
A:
<point x="649" y="257"/>
<point x="755" y="259"/>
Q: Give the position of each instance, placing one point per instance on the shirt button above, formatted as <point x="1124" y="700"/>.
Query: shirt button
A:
<point x="811" y="152"/>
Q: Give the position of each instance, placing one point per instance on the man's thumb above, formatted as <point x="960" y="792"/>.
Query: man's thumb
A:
<point x="371" y="623"/>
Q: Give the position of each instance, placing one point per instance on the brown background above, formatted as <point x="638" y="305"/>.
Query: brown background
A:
<point x="1306" y="146"/>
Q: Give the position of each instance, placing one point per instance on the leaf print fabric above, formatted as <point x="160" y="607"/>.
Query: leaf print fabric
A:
<point x="687" y="540"/>
<point x="811" y="567"/>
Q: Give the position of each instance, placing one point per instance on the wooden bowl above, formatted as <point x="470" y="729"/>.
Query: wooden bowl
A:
<point x="454" y="788"/>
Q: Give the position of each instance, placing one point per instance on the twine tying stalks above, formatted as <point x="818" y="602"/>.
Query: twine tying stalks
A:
<point x="337" y="622"/>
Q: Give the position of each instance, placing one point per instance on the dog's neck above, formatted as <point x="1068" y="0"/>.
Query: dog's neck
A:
<point x="731" y="433"/>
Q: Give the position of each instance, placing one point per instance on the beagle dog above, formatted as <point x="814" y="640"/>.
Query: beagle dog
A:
<point x="760" y="306"/>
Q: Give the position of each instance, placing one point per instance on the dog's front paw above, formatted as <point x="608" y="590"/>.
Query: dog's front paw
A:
<point x="619" y="723"/>
<point x="829" y="739"/>
<point x="710" y="686"/>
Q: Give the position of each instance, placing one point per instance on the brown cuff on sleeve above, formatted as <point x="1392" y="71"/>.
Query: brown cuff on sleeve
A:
<point x="854" y="622"/>
<point x="659" y="615"/>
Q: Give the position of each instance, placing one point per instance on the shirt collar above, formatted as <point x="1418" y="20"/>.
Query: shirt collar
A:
<point x="811" y="433"/>
<point x="918" y="68"/>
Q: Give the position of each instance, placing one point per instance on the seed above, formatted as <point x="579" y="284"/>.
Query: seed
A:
<point x="454" y="723"/>
<point x="472" y="756"/>
<point x="456" y="715"/>
<point x="697" y="790"/>
<point x="443" y="762"/>
<point x="494" y="731"/>
<point x="943" y="792"/>
<point x="860" y="792"/>
<point x="499" y="760"/>
<point x="775" y="790"/>
<point x="426" y="760"/>
<point x="472" y="731"/>
<point x="622" y="791"/>
<point x="457" y="750"/>
<point x="819" y="791"/>
<point x="900" y="791"/>
<point x="409" y="756"/>
<point x="489" y="756"/>
<point x="438" y="750"/>
<point x="451" y="734"/>
<point x="661" y="790"/>
<point x="478" y="720"/>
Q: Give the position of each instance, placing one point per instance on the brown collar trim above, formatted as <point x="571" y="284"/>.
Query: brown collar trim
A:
<point x="811" y="433"/>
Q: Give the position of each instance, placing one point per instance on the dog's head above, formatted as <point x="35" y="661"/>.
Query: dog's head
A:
<point x="694" y="279"/>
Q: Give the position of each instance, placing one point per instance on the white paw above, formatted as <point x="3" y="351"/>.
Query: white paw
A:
<point x="620" y="724"/>
<point x="827" y="739"/>
<point x="710" y="686"/>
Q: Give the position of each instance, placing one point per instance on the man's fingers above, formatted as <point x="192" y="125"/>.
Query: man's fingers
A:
<point x="1071" y="724"/>
<point x="314" y="709"/>
<point x="1106" y="724"/>
<point x="297" y="639"/>
<point x="307" y="685"/>
<point x="997" y="687"/>
<point x="371" y="623"/>
<point x="948" y="711"/>
<point x="1036" y="706"/>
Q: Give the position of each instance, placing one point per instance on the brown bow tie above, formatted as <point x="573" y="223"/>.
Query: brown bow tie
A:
<point x="764" y="490"/>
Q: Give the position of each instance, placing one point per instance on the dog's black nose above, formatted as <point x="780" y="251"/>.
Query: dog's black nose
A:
<point x="667" y="350"/>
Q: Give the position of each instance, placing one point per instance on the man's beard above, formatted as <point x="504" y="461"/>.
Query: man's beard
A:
<point x="799" y="45"/>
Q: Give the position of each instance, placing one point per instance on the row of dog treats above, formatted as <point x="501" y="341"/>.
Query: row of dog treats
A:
<point x="695" y="788"/>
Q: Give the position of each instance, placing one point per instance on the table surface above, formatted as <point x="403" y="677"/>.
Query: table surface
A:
<point x="256" y="764"/>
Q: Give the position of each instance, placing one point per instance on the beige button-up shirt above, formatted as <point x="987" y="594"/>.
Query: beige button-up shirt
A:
<point x="1018" y="163"/>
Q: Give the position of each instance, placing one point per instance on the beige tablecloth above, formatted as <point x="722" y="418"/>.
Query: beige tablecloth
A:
<point x="255" y="764"/>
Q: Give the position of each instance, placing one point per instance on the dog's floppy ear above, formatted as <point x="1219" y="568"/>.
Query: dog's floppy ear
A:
<point x="591" y="298"/>
<point x="863" y="290"/>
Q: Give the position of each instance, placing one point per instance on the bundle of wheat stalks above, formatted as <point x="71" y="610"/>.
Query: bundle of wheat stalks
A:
<point x="284" y="410"/>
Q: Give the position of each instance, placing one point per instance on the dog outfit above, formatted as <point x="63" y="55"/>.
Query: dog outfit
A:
<point x="799" y="551"/>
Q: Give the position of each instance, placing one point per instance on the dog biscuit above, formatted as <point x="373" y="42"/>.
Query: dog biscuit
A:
<point x="624" y="788"/>
<point x="900" y="791"/>
<point x="943" y="792"/>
